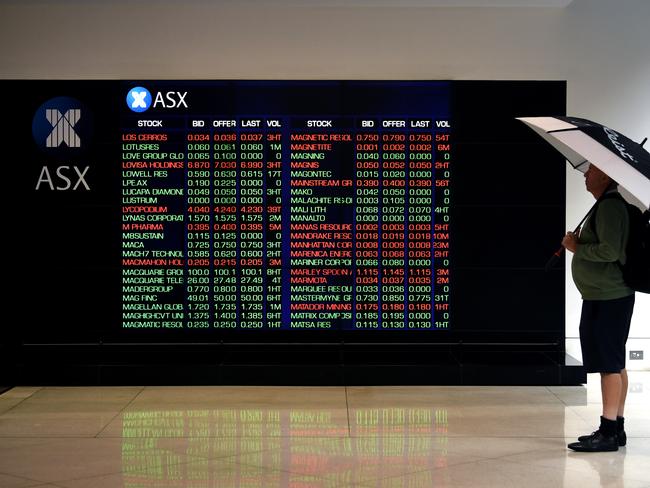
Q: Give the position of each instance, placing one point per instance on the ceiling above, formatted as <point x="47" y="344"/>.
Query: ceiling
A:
<point x="320" y="3"/>
<point x="421" y="3"/>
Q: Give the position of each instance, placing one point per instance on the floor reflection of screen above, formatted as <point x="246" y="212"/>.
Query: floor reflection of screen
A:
<point x="307" y="444"/>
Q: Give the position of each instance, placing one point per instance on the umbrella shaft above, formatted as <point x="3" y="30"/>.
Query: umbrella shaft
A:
<point x="558" y="254"/>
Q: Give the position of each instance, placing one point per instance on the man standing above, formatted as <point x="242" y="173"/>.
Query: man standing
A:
<point x="607" y="306"/>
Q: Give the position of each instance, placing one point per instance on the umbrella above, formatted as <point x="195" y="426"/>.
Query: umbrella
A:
<point x="583" y="142"/>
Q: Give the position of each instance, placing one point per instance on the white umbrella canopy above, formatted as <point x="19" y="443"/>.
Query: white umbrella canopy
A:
<point x="583" y="142"/>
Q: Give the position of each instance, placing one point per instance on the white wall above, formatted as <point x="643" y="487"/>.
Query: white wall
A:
<point x="601" y="47"/>
<point x="200" y="39"/>
<point x="608" y="80"/>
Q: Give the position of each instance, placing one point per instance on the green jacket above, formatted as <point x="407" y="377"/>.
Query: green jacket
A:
<point x="595" y="269"/>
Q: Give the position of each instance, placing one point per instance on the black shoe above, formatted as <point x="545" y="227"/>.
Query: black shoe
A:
<point x="620" y="435"/>
<point x="596" y="442"/>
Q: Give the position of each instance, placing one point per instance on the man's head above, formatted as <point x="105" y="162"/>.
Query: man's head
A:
<point x="596" y="181"/>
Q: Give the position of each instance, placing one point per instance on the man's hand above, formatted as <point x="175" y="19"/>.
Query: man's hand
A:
<point x="570" y="241"/>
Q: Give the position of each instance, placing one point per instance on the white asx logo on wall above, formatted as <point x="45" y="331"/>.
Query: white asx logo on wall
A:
<point x="62" y="129"/>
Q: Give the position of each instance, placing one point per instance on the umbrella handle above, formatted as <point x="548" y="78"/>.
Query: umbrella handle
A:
<point x="550" y="264"/>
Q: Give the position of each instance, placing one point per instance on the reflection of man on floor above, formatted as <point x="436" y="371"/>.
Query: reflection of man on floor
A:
<point x="606" y="308"/>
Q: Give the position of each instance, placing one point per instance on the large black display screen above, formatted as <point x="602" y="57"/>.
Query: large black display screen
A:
<point x="197" y="209"/>
<point x="259" y="218"/>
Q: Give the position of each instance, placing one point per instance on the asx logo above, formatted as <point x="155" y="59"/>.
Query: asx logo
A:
<point x="61" y="124"/>
<point x="139" y="99"/>
<point x="63" y="178"/>
<point x="62" y="129"/>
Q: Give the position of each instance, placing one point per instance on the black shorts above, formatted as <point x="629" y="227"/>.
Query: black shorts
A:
<point x="604" y="327"/>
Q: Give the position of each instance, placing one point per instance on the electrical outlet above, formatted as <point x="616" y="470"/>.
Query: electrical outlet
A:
<point x="636" y="354"/>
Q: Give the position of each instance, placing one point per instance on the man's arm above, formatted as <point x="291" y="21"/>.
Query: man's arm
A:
<point x="612" y="222"/>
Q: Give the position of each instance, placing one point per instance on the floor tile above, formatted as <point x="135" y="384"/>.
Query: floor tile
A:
<point x="52" y="461"/>
<point x="93" y="394"/>
<point x="235" y="421"/>
<point x="8" y="481"/>
<point x="204" y="474"/>
<point x="20" y="392"/>
<point x="637" y="418"/>
<point x="73" y="400"/>
<point x="7" y="404"/>
<point x="250" y="396"/>
<point x="55" y="424"/>
<point x="15" y="396"/>
<point x="46" y="485"/>
<point x="573" y="395"/>
<point x="626" y="464"/>
<point x="399" y="436"/>
<point x="496" y="473"/>
<point x="356" y="460"/>
<point x="447" y="396"/>
<point x="14" y="443"/>
<point x="638" y="390"/>
<point x="497" y="447"/>
<point x="71" y="407"/>
<point x="543" y="420"/>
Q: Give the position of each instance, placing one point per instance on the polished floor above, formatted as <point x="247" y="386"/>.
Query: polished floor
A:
<point x="303" y="437"/>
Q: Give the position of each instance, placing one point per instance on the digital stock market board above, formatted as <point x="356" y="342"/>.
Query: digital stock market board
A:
<point x="153" y="209"/>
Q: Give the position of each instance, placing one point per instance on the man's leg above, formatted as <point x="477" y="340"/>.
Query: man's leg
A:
<point x="610" y="434"/>
<point x="606" y="437"/>
<point x="624" y="386"/>
<point x="620" y="419"/>
<point x="611" y="389"/>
